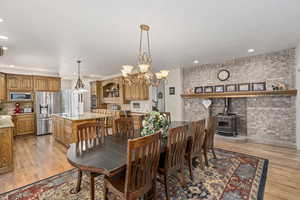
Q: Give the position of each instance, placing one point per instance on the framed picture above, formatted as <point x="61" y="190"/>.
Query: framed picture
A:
<point x="198" y="90"/>
<point x="208" y="89"/>
<point x="230" y="88"/>
<point x="244" y="87"/>
<point x="219" y="88"/>
<point x="172" y="90"/>
<point x="261" y="86"/>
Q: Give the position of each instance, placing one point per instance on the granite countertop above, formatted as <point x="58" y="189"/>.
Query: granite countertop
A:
<point x="5" y="121"/>
<point x="84" y="116"/>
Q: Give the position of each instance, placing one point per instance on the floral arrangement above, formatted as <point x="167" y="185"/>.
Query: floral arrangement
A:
<point x="155" y="122"/>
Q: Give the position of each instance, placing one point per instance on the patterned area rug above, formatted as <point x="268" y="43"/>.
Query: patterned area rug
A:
<point x="232" y="176"/>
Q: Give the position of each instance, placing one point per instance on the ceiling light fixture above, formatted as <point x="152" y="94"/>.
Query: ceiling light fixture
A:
<point x="5" y="48"/>
<point x="143" y="73"/>
<point x="1" y="20"/>
<point x="11" y="66"/>
<point x="196" y="61"/>
<point x="79" y="84"/>
<point x="2" y="37"/>
<point x="251" y="50"/>
<point x="2" y="50"/>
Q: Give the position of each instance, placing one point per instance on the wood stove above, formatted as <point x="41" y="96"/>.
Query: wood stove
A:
<point x="226" y="121"/>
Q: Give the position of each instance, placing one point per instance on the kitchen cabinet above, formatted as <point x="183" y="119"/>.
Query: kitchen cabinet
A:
<point x="19" y="82"/>
<point x="42" y="83"/>
<point x="54" y="84"/>
<point x="2" y="87"/>
<point x="113" y="91"/>
<point x="96" y="95"/>
<point x="136" y="92"/>
<point x="24" y="124"/>
<point x="6" y="150"/>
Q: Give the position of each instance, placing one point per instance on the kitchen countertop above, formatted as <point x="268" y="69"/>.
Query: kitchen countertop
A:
<point x="84" y="116"/>
<point x="5" y="121"/>
<point x="23" y="113"/>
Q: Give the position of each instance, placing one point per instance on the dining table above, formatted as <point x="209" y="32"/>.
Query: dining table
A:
<point x="108" y="157"/>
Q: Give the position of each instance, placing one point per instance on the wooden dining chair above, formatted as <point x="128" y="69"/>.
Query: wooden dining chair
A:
<point x="195" y="147"/>
<point x="142" y="163"/>
<point x="168" y="115"/>
<point x="124" y="126"/>
<point x="209" y="138"/>
<point x="89" y="134"/>
<point x="174" y="158"/>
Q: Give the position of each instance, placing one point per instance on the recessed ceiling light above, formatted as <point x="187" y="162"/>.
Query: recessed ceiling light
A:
<point x="251" y="50"/>
<point x="11" y="66"/>
<point x="196" y="62"/>
<point x="1" y="20"/>
<point x="4" y="48"/>
<point x="2" y="37"/>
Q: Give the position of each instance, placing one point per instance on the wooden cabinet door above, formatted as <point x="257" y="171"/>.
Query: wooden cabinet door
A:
<point x="54" y="84"/>
<point x="25" y="124"/>
<point x="19" y="83"/>
<point x="6" y="150"/>
<point x="93" y="88"/>
<point x="40" y="83"/>
<point x="2" y="87"/>
<point x="26" y="83"/>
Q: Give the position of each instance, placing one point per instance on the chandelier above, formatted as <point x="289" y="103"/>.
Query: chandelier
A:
<point x="143" y="73"/>
<point x="79" y="84"/>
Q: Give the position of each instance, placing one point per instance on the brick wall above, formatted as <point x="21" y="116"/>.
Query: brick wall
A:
<point x="269" y="120"/>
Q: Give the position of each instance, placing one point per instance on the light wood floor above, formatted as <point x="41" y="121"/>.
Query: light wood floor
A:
<point x="37" y="158"/>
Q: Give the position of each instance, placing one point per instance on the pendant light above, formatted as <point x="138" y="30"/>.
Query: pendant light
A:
<point x="79" y="84"/>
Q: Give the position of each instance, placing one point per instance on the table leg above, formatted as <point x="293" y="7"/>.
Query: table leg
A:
<point x="92" y="185"/>
<point x="78" y="185"/>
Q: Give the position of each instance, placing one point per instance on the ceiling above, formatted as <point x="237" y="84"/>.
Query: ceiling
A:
<point x="50" y="36"/>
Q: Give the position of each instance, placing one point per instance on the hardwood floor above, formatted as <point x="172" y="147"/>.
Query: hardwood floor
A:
<point x="37" y="158"/>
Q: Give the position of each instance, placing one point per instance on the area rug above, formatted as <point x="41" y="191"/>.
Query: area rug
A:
<point x="232" y="176"/>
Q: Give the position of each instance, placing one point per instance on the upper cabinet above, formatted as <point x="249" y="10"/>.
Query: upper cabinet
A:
<point x="54" y="84"/>
<point x="136" y="92"/>
<point x="2" y="87"/>
<point x="19" y="82"/>
<point x="112" y="91"/>
<point x="96" y="94"/>
<point x="42" y="83"/>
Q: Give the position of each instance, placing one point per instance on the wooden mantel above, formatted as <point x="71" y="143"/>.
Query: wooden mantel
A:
<point x="243" y="94"/>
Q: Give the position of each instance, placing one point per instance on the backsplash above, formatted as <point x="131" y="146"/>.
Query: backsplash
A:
<point x="9" y="107"/>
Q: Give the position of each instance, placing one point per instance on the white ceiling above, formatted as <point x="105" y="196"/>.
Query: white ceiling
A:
<point x="50" y="35"/>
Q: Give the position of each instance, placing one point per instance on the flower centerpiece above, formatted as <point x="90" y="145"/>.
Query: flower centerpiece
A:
<point x="155" y="122"/>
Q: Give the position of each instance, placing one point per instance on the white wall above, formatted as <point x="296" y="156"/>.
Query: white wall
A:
<point x="298" y="96"/>
<point x="174" y="103"/>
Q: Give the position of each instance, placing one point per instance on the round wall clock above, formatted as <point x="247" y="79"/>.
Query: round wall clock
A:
<point x="223" y="75"/>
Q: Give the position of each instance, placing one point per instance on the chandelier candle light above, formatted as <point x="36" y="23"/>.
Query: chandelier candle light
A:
<point x="143" y="73"/>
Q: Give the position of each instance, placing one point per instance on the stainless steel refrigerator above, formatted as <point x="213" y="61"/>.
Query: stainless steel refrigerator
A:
<point x="46" y="104"/>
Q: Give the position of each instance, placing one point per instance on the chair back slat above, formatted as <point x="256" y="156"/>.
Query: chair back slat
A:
<point x="125" y="127"/>
<point x="198" y="136"/>
<point x="90" y="134"/>
<point x="142" y="163"/>
<point x="176" y="147"/>
<point x="210" y="131"/>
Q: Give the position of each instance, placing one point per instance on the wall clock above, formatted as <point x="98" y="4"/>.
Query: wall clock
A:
<point x="223" y="75"/>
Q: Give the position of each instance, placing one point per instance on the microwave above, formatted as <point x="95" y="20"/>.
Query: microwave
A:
<point x="20" y="96"/>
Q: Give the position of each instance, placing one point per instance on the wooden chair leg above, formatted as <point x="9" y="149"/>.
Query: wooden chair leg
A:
<point x="201" y="162"/>
<point x="213" y="152"/>
<point x="105" y="190"/>
<point x="92" y="186"/>
<point x="205" y="156"/>
<point x="78" y="185"/>
<point x="166" y="186"/>
<point x="190" y="160"/>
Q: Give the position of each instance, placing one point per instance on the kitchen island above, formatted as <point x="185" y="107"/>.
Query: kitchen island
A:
<point x="65" y="126"/>
<point x="6" y="144"/>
